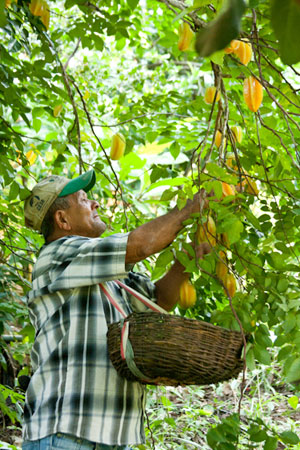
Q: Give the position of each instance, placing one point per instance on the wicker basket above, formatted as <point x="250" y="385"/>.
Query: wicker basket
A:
<point x="173" y="350"/>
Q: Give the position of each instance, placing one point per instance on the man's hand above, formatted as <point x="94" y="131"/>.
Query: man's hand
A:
<point x="152" y="237"/>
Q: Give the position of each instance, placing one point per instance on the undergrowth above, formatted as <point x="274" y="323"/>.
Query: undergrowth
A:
<point x="192" y="417"/>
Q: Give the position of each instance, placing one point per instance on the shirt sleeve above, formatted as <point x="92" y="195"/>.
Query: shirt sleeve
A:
<point x="143" y="285"/>
<point x="77" y="261"/>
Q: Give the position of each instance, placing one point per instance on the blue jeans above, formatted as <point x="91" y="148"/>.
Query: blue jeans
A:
<point x="62" y="441"/>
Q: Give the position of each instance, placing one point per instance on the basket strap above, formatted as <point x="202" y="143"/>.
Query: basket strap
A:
<point x="127" y="353"/>
<point x="142" y="298"/>
<point x="112" y="300"/>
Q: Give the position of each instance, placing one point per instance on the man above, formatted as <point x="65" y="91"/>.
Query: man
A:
<point x="76" y="399"/>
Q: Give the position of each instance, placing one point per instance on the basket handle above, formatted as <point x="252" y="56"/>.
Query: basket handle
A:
<point x="149" y="303"/>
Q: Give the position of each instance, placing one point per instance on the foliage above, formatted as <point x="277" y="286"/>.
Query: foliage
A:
<point x="114" y="66"/>
<point x="204" y="417"/>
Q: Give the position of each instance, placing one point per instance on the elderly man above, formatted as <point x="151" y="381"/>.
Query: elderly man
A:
<point x="76" y="399"/>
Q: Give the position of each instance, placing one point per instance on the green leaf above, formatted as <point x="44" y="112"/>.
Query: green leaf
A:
<point x="132" y="4"/>
<point x="167" y="195"/>
<point x="262" y="355"/>
<point x="282" y="285"/>
<point x="3" y="20"/>
<point x="36" y="124"/>
<point x="250" y="359"/>
<point x="168" y="182"/>
<point x="164" y="258"/>
<point x="14" y="190"/>
<point x="285" y="19"/>
<point x="276" y="260"/>
<point x="288" y="437"/>
<point x="28" y="331"/>
<point x="290" y="322"/>
<point x="200" y="3"/>
<point x="215" y="435"/>
<point x="293" y="373"/>
<point x="234" y="228"/>
<point x="260" y="436"/>
<point x="218" y="34"/>
<point x="218" y="57"/>
<point x="293" y="401"/>
<point x="271" y="443"/>
<point x="24" y="193"/>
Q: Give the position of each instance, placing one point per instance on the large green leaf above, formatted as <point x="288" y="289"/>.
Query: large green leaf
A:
<point x="218" y="34"/>
<point x="285" y="19"/>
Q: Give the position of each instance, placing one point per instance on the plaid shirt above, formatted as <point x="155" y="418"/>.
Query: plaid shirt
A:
<point x="74" y="388"/>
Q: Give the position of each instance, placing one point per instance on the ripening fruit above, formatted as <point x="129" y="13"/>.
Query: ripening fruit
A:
<point x="253" y="93"/>
<point x="221" y="267"/>
<point x="230" y="284"/>
<point x="31" y="157"/>
<point x="231" y="162"/>
<point x="225" y="240"/>
<point x="210" y="95"/>
<point x="187" y="295"/>
<point x="232" y="47"/>
<point x="46" y="16"/>
<point x="7" y="3"/>
<point x="186" y="36"/>
<point x="118" y="145"/>
<point x="250" y="186"/>
<point x="237" y="133"/>
<point x="207" y="232"/>
<point x="19" y="157"/>
<point x="244" y="52"/>
<point x="241" y="49"/>
<point x="40" y="8"/>
<point x="36" y="7"/>
<point x="227" y="189"/>
<point x="218" y="139"/>
<point x="87" y="95"/>
<point x="57" y="110"/>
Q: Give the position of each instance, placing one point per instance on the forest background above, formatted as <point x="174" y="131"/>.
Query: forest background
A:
<point x="106" y="67"/>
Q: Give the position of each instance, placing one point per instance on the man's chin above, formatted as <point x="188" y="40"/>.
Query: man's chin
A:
<point x="100" y="229"/>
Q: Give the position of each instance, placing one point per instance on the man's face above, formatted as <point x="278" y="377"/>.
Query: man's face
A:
<point x="83" y="217"/>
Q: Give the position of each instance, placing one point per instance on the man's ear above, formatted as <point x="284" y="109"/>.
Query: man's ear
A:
<point x="61" y="220"/>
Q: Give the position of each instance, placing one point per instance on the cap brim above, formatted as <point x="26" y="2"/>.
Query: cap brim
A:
<point x="85" y="182"/>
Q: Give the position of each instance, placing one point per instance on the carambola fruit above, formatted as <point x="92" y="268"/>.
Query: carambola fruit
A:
<point x="187" y="295"/>
<point x="210" y="94"/>
<point x="253" y="93"/>
<point x="230" y="283"/>
<point x="186" y="36"/>
<point x="118" y="145"/>
<point x="237" y="133"/>
<point x="207" y="232"/>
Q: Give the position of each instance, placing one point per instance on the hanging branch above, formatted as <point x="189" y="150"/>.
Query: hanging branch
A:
<point x="263" y="81"/>
<point x="70" y="94"/>
<point x="272" y="191"/>
<point x="243" y="383"/>
<point x="182" y="6"/>
<point x="119" y="187"/>
<point x="72" y="54"/>
<point x="152" y="114"/>
<point x="280" y="139"/>
<point x="286" y="115"/>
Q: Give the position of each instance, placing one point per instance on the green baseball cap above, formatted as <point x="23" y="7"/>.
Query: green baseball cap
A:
<point x="46" y="192"/>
